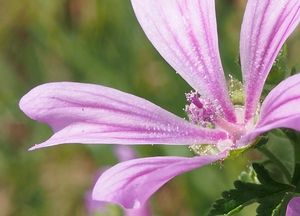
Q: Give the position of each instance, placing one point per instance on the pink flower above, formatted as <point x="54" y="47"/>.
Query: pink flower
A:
<point x="185" y="34"/>
<point x="293" y="208"/>
<point x="122" y="153"/>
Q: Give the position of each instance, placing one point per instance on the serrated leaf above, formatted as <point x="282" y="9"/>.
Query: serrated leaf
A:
<point x="269" y="204"/>
<point x="268" y="194"/>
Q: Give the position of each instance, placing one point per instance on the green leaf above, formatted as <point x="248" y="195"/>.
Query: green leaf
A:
<point x="296" y="178"/>
<point x="281" y="207"/>
<point x="271" y="205"/>
<point x="280" y="153"/>
<point x="295" y="139"/>
<point x="283" y="148"/>
<point x="268" y="193"/>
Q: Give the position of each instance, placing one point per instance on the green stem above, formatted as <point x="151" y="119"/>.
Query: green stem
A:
<point x="273" y="158"/>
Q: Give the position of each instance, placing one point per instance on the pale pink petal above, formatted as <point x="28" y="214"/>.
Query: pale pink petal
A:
<point x="185" y="33"/>
<point x="131" y="183"/>
<point x="94" y="207"/>
<point x="87" y="113"/>
<point x="123" y="153"/>
<point x="280" y="109"/>
<point x="265" y="28"/>
<point x="293" y="208"/>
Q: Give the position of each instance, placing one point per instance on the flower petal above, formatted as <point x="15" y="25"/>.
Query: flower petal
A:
<point x="95" y="207"/>
<point x="280" y="109"/>
<point x="293" y="208"/>
<point x="265" y="28"/>
<point x="142" y="211"/>
<point x="87" y="113"/>
<point x="131" y="183"/>
<point x="185" y="34"/>
<point x="123" y="153"/>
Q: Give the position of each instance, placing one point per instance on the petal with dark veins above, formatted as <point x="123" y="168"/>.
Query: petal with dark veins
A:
<point x="131" y="183"/>
<point x="266" y="26"/>
<point x="184" y="32"/>
<point x="87" y="113"/>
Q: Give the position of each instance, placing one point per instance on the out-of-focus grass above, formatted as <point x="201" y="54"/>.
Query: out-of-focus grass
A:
<point x="97" y="41"/>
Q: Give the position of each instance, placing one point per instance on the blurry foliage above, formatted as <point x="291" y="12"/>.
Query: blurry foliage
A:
<point x="96" y="41"/>
<point x="262" y="189"/>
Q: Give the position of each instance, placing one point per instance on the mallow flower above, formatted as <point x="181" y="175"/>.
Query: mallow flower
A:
<point x="293" y="208"/>
<point x="185" y="34"/>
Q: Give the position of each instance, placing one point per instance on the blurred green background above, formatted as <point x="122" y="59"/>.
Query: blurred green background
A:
<point x="95" y="41"/>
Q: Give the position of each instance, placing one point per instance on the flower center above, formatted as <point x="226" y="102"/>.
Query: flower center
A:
<point x="203" y="112"/>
